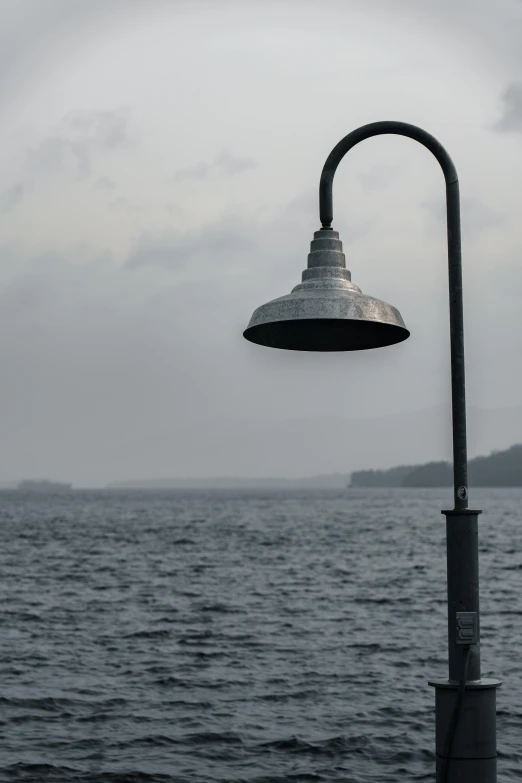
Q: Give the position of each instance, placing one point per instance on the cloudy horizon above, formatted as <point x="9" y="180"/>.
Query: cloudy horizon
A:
<point x="160" y="169"/>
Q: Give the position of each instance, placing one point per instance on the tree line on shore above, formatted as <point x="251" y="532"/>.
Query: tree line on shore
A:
<point x="498" y="469"/>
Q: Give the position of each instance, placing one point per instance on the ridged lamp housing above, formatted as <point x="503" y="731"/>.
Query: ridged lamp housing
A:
<point x="326" y="311"/>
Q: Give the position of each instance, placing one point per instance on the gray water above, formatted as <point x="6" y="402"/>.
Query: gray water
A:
<point x="254" y="637"/>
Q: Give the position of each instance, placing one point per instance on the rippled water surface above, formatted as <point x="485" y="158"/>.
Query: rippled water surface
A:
<point x="261" y="638"/>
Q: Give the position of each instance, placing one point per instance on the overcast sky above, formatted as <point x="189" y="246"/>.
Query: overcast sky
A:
<point x="160" y="162"/>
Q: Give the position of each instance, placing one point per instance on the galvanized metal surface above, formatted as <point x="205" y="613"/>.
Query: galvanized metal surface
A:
<point x="326" y="311"/>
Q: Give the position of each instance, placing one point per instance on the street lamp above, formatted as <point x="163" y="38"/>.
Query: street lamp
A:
<point x="327" y="312"/>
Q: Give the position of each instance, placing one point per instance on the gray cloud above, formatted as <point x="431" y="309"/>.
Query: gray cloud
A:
<point x="231" y="244"/>
<point x="476" y="215"/>
<point x="104" y="183"/>
<point x="78" y="137"/>
<point x="33" y="36"/>
<point x="172" y="249"/>
<point x="149" y="373"/>
<point x="225" y="163"/>
<point x="200" y="171"/>
<point x="116" y="371"/>
<point x="145" y="369"/>
<point x="511" y="119"/>
<point x="125" y="205"/>
<point x="379" y="176"/>
<point x="230" y="165"/>
<point x="11" y="197"/>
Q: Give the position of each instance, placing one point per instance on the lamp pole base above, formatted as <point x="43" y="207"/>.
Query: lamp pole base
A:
<point x="473" y="754"/>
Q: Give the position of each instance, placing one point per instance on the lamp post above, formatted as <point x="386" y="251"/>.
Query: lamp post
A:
<point x="327" y="312"/>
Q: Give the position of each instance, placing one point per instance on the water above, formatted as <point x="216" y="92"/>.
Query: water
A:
<point x="242" y="637"/>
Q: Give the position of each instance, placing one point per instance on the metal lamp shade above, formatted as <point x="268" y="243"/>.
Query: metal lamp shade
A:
<point x="326" y="312"/>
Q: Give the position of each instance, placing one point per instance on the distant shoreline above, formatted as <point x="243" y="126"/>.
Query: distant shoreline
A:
<point x="498" y="469"/>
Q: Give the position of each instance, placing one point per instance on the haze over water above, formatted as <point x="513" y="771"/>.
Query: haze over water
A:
<point x="255" y="637"/>
<point x="160" y="165"/>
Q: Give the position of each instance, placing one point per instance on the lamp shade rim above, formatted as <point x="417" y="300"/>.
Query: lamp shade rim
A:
<point x="326" y="334"/>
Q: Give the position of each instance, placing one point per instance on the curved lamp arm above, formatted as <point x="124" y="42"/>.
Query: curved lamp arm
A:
<point x="458" y="394"/>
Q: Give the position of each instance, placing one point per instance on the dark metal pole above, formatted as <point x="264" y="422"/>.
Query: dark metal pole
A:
<point x="471" y="757"/>
<point x="458" y="390"/>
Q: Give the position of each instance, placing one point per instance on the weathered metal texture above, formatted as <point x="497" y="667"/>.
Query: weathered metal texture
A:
<point x="474" y="747"/>
<point x="460" y="465"/>
<point x="326" y="311"/>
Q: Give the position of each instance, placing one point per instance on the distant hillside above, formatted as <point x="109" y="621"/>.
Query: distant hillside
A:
<point x="499" y="469"/>
<point x="393" y="477"/>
